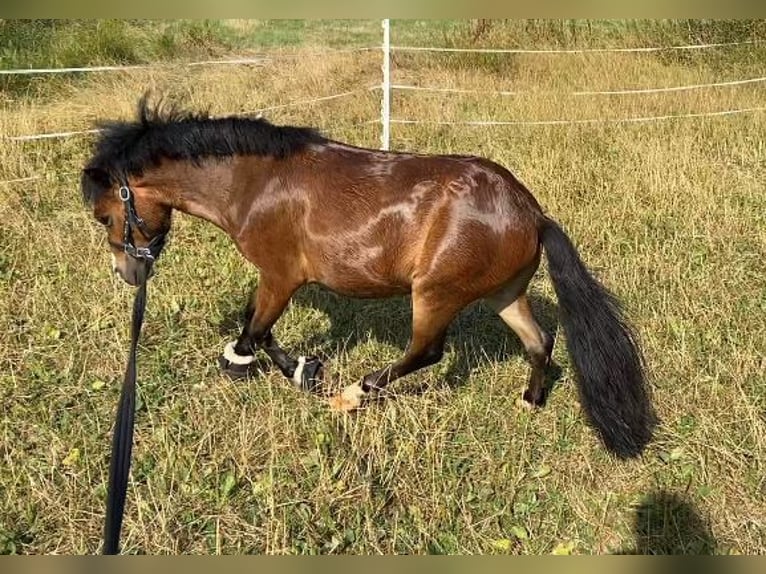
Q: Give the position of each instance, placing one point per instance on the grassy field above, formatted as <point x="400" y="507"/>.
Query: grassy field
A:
<point x="670" y="214"/>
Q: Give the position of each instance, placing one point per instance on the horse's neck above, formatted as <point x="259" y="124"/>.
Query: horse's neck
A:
<point x="199" y="191"/>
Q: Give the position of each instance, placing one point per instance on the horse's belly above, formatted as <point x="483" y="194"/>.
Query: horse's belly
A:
<point x="365" y="272"/>
<point x="362" y="282"/>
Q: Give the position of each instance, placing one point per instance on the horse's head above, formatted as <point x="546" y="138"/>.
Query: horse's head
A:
<point x="136" y="222"/>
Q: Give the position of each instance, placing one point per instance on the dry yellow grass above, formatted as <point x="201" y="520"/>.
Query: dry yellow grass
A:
<point x="672" y="215"/>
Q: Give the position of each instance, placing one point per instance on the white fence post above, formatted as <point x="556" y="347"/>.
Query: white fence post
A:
<point x="385" y="110"/>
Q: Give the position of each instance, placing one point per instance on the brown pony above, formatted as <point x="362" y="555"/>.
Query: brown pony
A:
<point x="449" y="230"/>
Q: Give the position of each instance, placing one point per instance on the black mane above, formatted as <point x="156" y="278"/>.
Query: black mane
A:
<point x="164" y="131"/>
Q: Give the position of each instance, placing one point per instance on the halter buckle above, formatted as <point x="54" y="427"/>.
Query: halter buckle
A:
<point x="144" y="253"/>
<point x="139" y="252"/>
<point x="124" y="193"/>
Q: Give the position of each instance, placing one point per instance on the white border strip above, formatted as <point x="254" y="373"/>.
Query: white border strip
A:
<point x="584" y="92"/>
<point x="584" y="121"/>
<point x="566" y="51"/>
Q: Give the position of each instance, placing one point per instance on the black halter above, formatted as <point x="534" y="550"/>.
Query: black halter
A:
<point x="152" y="251"/>
<point x="122" y="439"/>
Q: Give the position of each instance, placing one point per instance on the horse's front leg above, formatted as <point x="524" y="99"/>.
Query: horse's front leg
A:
<point x="270" y="300"/>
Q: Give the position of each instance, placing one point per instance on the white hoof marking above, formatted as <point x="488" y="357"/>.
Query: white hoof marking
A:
<point x="230" y="355"/>
<point x="298" y="374"/>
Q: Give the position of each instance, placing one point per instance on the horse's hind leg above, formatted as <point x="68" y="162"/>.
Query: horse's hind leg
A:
<point x="430" y="319"/>
<point x="512" y="305"/>
<point x="271" y="299"/>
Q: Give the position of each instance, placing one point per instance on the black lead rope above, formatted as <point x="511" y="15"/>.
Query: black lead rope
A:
<point x="122" y="440"/>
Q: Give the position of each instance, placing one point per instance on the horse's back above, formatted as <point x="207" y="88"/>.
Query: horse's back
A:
<point x="381" y="221"/>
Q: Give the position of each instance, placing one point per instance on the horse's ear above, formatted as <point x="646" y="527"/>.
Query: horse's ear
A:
<point x="94" y="181"/>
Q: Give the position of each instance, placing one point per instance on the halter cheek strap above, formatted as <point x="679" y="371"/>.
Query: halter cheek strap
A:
<point x="152" y="251"/>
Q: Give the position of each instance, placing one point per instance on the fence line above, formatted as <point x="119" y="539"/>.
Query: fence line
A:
<point x="56" y="135"/>
<point x="671" y="89"/>
<point x="408" y="87"/>
<point x="332" y="128"/>
<point x="35" y="71"/>
<point x="46" y="175"/>
<point x="388" y="120"/>
<point x="236" y="61"/>
<point x="313" y="100"/>
<point x="385" y="101"/>
<point x="265" y="58"/>
<point x="26" y="71"/>
<point x="279" y="55"/>
<point x="452" y="90"/>
<point x="567" y="51"/>
<point x="22" y="179"/>
<point x="386" y="86"/>
<point x="582" y="121"/>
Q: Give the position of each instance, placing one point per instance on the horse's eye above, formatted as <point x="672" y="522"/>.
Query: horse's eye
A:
<point x="105" y="220"/>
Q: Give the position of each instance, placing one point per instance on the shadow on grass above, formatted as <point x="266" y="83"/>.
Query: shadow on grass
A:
<point x="666" y="523"/>
<point x="477" y="335"/>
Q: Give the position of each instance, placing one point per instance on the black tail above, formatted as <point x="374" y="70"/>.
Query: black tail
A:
<point x="604" y="351"/>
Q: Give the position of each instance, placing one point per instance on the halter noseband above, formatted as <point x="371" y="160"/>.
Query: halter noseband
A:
<point x="152" y="251"/>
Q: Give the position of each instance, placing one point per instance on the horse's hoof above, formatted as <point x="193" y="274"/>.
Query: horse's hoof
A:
<point x="237" y="366"/>
<point x="308" y="374"/>
<point x="234" y="370"/>
<point x="530" y="402"/>
<point x="349" y="400"/>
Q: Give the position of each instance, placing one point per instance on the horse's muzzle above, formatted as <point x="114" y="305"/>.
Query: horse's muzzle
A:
<point x="134" y="271"/>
